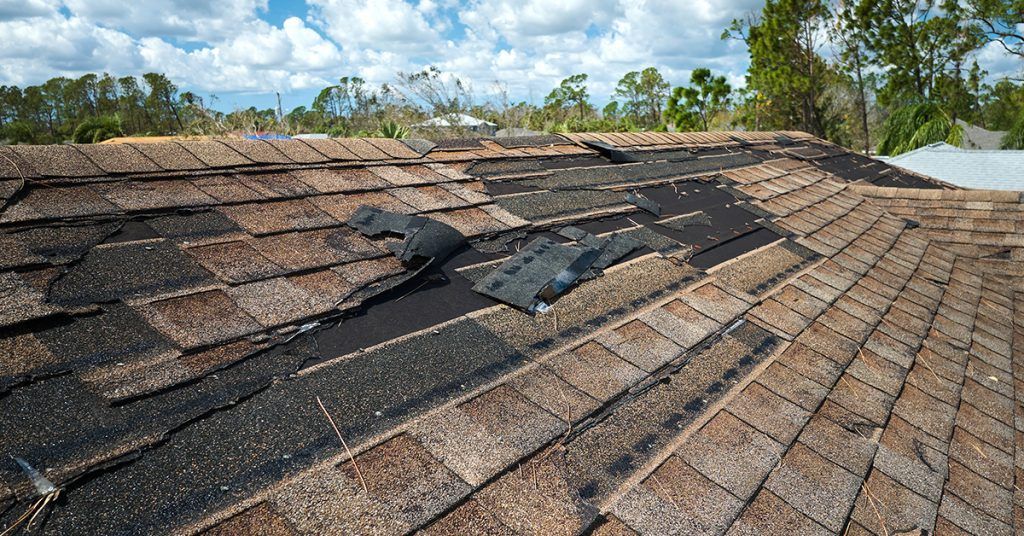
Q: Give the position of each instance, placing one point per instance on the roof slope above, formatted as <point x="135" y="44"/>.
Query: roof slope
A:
<point x="982" y="169"/>
<point x="805" y="341"/>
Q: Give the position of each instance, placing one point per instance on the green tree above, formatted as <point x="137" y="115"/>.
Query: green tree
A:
<point x="853" y="57"/>
<point x="162" y="102"/>
<point x="97" y="129"/>
<point x="787" y="72"/>
<point x="1000" y="21"/>
<point x="643" y="93"/>
<point x="919" y="44"/>
<point x="1014" y="138"/>
<point x="571" y="93"/>
<point x="1004" y="103"/>
<point x="917" y="125"/>
<point x="696" y="107"/>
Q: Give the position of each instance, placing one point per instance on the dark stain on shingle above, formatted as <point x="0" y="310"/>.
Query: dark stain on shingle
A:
<point x="122" y="271"/>
<point x="694" y="405"/>
<point x="622" y="466"/>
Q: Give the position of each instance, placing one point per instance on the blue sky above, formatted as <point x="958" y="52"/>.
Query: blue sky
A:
<point x="244" y="51"/>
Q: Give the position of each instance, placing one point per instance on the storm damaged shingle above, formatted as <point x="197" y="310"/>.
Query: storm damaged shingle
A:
<point x="537" y="274"/>
<point x="166" y="399"/>
<point x="422" y="237"/>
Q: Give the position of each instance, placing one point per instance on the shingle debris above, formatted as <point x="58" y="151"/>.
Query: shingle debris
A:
<point x="644" y="203"/>
<point x="532" y="278"/>
<point x="423" y="237"/>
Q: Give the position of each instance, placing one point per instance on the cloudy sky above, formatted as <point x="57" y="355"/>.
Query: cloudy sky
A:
<point x="245" y="50"/>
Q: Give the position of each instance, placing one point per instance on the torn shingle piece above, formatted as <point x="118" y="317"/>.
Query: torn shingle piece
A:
<point x="419" y="146"/>
<point x="423" y="237"/>
<point x="644" y="204"/>
<point x="613" y="248"/>
<point x="20" y="301"/>
<point x="538" y="273"/>
<point x="680" y="223"/>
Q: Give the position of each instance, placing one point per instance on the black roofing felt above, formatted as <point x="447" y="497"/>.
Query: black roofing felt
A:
<point x="643" y="172"/>
<point x="437" y="295"/>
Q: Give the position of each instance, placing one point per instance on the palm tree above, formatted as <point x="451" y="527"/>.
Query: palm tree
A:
<point x="917" y="125"/>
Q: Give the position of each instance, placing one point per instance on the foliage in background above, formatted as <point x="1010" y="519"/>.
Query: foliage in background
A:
<point x="839" y="69"/>
<point x="1014" y="138"/>
<point x="391" y="129"/>
<point x="570" y="94"/>
<point x="697" y="106"/>
<point x="917" y="125"/>
<point x="97" y="129"/>
<point x="643" y="95"/>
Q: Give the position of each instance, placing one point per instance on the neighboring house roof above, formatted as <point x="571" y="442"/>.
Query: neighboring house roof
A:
<point x="979" y="138"/>
<point x="806" y="341"/>
<point x="454" y="120"/>
<point x="992" y="170"/>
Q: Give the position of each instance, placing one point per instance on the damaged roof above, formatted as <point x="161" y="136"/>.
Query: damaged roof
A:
<point x="653" y="333"/>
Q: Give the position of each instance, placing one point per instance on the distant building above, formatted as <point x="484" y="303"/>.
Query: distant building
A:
<point x="460" y="121"/>
<point x="990" y="170"/>
<point x="979" y="138"/>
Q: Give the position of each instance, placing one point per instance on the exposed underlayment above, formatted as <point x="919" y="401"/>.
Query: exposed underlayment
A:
<point x="653" y="333"/>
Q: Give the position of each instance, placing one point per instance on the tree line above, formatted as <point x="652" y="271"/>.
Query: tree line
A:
<point x="890" y="75"/>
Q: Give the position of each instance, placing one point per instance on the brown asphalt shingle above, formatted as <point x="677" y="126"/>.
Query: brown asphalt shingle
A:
<point x="860" y="375"/>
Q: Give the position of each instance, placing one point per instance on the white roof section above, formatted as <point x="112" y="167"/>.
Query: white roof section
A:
<point x="985" y="170"/>
<point x="455" y="120"/>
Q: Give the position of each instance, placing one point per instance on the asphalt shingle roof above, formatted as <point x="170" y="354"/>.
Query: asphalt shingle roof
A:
<point x="808" y="341"/>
